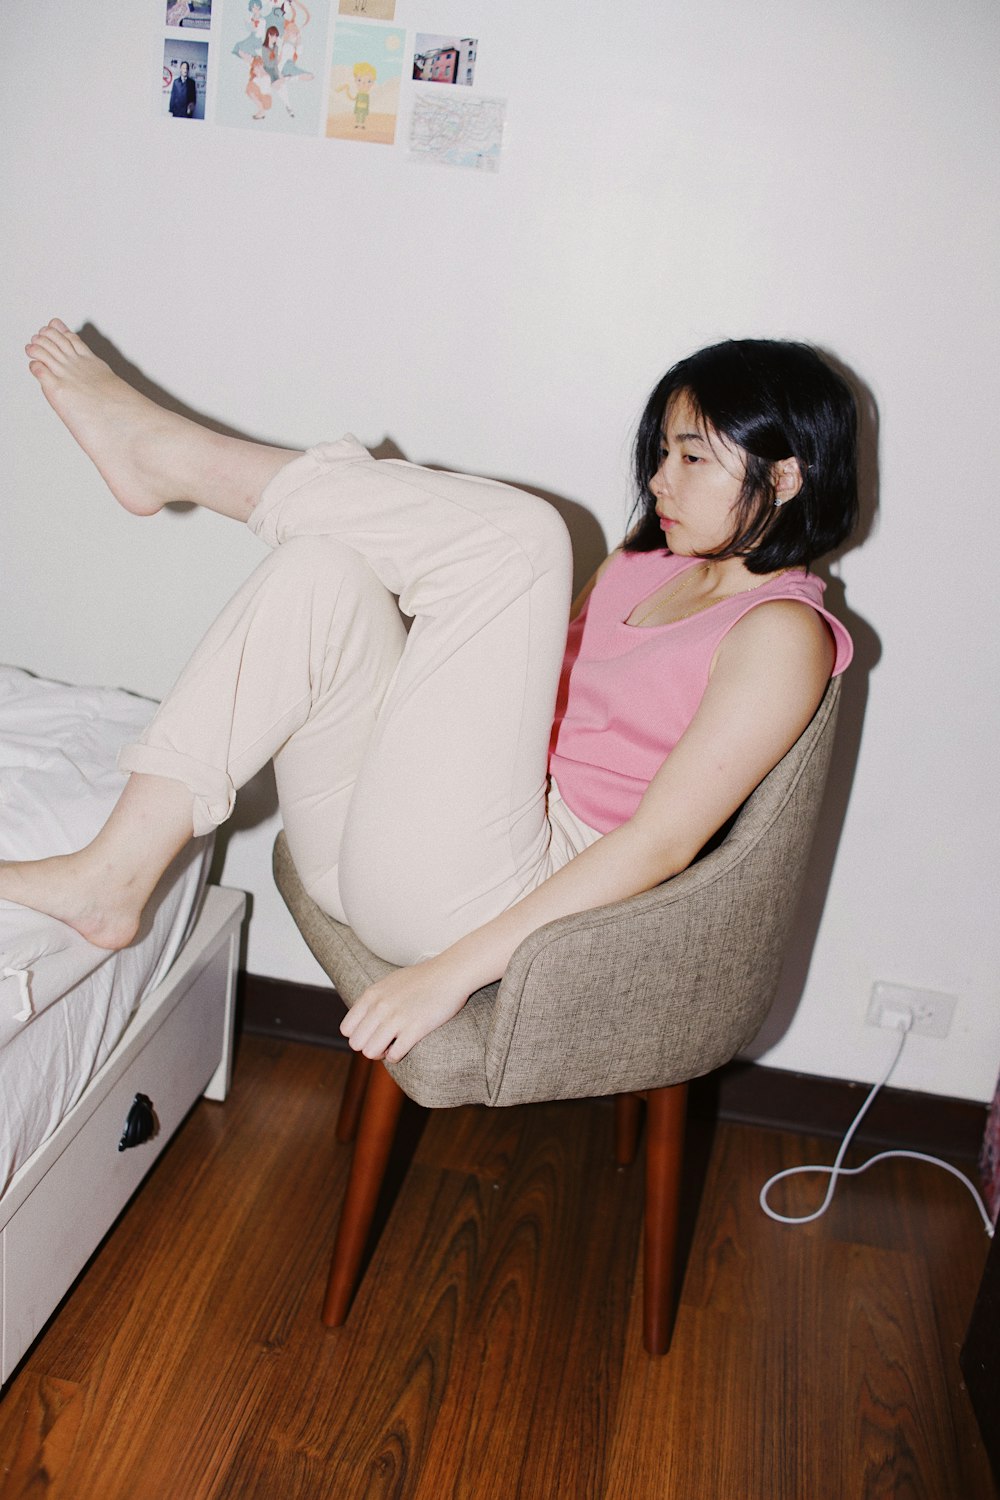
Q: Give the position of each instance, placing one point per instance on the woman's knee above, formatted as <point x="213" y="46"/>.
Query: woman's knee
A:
<point x="544" y="537"/>
<point x="398" y="931"/>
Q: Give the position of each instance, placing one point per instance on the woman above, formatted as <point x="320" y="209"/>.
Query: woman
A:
<point x="270" y="53"/>
<point x="413" y="770"/>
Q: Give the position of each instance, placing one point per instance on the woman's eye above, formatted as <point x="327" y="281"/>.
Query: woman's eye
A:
<point x="690" y="458"/>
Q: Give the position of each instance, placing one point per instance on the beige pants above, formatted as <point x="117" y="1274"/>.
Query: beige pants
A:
<point x="411" y="768"/>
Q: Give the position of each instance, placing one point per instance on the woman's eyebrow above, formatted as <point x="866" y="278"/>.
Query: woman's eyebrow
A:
<point x="686" y="437"/>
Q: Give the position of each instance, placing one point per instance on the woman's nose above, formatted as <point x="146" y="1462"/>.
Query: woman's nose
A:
<point x="658" y="484"/>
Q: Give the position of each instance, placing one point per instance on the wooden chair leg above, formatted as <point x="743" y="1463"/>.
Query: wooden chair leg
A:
<point x="354" y="1097"/>
<point x="628" y="1111"/>
<point x="379" y="1118"/>
<point x="664" y="1153"/>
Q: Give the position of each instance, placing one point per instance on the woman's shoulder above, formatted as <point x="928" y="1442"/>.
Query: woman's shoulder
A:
<point x="794" y="614"/>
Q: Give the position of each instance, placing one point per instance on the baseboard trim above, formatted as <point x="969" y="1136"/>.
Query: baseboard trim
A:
<point x="743" y="1092"/>
<point x="901" y="1119"/>
<point x="298" y="1012"/>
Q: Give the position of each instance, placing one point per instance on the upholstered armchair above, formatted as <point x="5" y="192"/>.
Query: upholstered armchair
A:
<point x="630" y="999"/>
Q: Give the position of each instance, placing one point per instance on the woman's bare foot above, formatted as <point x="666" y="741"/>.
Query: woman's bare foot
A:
<point x="69" y="888"/>
<point x="126" y="436"/>
<point x="102" y="890"/>
<point x="147" y="456"/>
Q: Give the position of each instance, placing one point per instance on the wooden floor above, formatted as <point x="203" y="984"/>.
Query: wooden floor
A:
<point x="494" y="1348"/>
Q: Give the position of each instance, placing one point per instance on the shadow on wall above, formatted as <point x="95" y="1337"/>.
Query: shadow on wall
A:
<point x="850" y="720"/>
<point x="256" y="804"/>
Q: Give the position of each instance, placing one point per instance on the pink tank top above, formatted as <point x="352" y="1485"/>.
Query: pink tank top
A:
<point x="628" y="692"/>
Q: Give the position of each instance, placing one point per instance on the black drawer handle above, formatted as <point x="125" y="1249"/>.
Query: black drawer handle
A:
<point x="141" y="1123"/>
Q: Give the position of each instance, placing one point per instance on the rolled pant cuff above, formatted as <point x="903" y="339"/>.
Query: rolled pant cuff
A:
<point x="213" y="790"/>
<point x="315" y="463"/>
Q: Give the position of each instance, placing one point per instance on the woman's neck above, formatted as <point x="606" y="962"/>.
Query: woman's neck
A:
<point x="719" y="577"/>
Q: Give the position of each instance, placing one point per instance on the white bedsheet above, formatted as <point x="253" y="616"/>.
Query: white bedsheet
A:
<point x="64" y="1004"/>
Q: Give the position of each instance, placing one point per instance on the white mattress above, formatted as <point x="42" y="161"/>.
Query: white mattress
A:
<point x="65" y="1004"/>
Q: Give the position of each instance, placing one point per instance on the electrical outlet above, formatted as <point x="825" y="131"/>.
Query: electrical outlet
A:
<point x="931" y="1011"/>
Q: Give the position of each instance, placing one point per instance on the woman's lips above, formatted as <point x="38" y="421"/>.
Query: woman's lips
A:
<point x="666" y="523"/>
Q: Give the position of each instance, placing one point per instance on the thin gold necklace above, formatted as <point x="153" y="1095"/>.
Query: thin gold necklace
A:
<point x="682" y="586"/>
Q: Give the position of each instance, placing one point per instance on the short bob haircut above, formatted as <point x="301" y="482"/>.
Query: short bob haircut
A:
<point x="772" y="400"/>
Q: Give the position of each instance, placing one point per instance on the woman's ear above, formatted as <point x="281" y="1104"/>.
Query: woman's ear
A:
<point x="786" y="475"/>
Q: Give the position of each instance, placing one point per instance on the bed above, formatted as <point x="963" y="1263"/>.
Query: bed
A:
<point x="83" y="1032"/>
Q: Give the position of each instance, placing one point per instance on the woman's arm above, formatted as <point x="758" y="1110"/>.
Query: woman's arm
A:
<point x="769" y="676"/>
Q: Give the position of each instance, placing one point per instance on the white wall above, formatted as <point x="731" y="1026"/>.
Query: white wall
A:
<point x="672" y="175"/>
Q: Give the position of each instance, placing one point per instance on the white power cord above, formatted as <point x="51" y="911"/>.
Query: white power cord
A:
<point x="904" y="1022"/>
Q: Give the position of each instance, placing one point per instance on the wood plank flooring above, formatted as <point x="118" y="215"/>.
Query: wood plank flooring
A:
<point x="494" y="1349"/>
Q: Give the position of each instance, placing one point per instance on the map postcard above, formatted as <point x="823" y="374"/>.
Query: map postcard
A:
<point x="457" y="132"/>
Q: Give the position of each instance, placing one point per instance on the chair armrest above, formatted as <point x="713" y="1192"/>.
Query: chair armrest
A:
<point x="640" y="994"/>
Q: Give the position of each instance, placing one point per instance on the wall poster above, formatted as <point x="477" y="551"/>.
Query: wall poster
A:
<point x="332" y="69"/>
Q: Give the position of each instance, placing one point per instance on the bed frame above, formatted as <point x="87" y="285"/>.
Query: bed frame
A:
<point x="66" y="1197"/>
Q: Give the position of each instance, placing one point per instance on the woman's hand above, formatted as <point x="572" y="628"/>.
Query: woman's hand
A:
<point x="396" y="1012"/>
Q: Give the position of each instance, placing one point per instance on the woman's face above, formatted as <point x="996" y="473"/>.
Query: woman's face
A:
<point x="698" y="483"/>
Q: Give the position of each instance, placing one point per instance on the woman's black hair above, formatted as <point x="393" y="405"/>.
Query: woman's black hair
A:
<point x="773" y="400"/>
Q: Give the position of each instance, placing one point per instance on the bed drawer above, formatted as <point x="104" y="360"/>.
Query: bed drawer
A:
<point x="61" y="1221"/>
